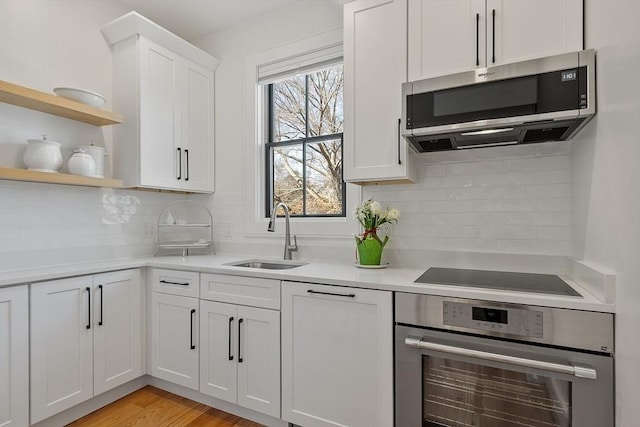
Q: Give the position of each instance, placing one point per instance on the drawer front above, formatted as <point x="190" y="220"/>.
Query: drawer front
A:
<point x="251" y="291"/>
<point x="174" y="282"/>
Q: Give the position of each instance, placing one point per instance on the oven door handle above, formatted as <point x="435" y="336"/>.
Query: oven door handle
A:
<point x="575" y="369"/>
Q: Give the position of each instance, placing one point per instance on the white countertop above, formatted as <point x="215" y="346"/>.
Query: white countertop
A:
<point x="398" y="279"/>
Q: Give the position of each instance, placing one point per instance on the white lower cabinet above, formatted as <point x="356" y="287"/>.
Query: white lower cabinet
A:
<point x="14" y="356"/>
<point x="174" y="339"/>
<point x="240" y="355"/>
<point x="85" y="338"/>
<point x="337" y="356"/>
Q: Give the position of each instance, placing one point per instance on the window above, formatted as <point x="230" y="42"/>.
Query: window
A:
<point x="304" y="144"/>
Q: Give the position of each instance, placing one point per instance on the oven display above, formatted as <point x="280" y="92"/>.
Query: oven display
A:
<point x="489" y="315"/>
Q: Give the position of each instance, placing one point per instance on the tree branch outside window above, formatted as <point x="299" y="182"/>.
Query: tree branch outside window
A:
<point x="304" y="148"/>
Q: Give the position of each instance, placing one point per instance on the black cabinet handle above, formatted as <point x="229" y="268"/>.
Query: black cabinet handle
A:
<point x="179" y="163"/>
<point x="311" y="291"/>
<point x="477" y="39"/>
<point x="173" y="283"/>
<point x="88" y="289"/>
<point x="493" y="32"/>
<point x="101" y="304"/>
<point x="399" y="124"/>
<point x="193" y="311"/>
<point x="239" y="340"/>
<point x="230" y="322"/>
<point x="186" y="153"/>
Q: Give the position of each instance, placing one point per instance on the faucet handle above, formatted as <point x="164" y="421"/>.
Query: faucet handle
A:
<point x="294" y="248"/>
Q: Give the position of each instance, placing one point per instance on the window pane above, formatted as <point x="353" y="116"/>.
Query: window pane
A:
<point x="289" y="109"/>
<point x="287" y="177"/>
<point x="325" y="101"/>
<point x="324" y="178"/>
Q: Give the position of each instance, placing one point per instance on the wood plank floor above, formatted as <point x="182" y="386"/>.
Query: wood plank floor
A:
<point x="151" y="406"/>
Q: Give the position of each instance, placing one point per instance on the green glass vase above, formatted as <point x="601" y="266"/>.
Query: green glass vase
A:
<point x="370" y="248"/>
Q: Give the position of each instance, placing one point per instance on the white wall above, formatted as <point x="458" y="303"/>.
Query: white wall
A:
<point x="606" y="170"/>
<point x="46" y="44"/>
<point x="503" y="201"/>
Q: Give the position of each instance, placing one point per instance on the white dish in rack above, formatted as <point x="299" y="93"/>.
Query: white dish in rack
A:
<point x="80" y="95"/>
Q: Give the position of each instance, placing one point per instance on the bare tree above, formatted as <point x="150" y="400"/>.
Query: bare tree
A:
<point x="297" y="116"/>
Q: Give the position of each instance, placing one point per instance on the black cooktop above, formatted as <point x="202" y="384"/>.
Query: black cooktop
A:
<point x="502" y="280"/>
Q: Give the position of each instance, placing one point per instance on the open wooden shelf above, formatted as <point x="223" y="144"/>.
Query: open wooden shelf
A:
<point x="13" y="174"/>
<point x="48" y="103"/>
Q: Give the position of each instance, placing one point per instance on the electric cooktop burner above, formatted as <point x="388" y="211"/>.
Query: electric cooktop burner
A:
<point x="502" y="280"/>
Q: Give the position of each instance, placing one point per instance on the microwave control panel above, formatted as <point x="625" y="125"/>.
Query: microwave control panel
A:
<point x="501" y="320"/>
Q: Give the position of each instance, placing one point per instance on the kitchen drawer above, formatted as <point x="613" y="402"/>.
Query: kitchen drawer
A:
<point x="251" y="291"/>
<point x="184" y="283"/>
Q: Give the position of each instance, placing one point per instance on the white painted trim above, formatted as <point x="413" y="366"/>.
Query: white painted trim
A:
<point x="599" y="281"/>
<point x="133" y="24"/>
<point x="254" y="145"/>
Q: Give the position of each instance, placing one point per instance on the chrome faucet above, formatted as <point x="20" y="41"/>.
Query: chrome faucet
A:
<point x="288" y="247"/>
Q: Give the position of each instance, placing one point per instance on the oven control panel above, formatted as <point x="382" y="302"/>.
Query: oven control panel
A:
<point x="501" y="320"/>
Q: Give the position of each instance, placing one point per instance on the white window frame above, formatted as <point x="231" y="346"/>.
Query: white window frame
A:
<point x="256" y="134"/>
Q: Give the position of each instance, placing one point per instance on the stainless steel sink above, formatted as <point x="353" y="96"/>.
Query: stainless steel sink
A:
<point x="266" y="264"/>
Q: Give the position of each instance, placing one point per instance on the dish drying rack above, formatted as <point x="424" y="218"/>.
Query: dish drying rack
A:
<point x="184" y="225"/>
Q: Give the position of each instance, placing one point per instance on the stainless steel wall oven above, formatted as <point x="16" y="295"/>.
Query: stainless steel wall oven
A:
<point x="462" y="362"/>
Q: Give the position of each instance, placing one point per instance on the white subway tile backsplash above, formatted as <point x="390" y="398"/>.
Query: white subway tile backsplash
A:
<point x="510" y="205"/>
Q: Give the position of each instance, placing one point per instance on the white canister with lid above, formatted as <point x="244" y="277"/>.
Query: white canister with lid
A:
<point x="82" y="163"/>
<point x="98" y="154"/>
<point x="42" y="155"/>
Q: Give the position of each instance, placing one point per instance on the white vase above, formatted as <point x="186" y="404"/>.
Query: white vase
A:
<point x="43" y="155"/>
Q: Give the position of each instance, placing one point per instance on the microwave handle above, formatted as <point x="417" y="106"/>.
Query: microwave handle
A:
<point x="399" y="125"/>
<point x="575" y="369"/>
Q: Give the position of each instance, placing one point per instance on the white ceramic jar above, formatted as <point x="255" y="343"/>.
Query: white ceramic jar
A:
<point x="98" y="154"/>
<point x="82" y="163"/>
<point x="42" y="155"/>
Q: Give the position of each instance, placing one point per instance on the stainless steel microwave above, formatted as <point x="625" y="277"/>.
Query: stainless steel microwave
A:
<point x="545" y="99"/>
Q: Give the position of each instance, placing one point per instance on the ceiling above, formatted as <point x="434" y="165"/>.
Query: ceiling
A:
<point x="192" y="19"/>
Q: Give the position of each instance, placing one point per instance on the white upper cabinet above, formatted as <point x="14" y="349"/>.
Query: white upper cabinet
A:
<point x="165" y="87"/>
<point x="375" y="66"/>
<point x="449" y="36"/>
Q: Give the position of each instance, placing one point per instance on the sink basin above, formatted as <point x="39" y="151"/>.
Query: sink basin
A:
<point x="266" y="264"/>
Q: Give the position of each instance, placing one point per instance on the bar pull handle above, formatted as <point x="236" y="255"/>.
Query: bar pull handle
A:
<point x="477" y="39"/>
<point x="186" y="153"/>
<point x="493" y="32"/>
<point x="167" y="282"/>
<point x="101" y="304"/>
<point x="575" y="369"/>
<point x="399" y="125"/>
<point x="311" y="291"/>
<point x="239" y="340"/>
<point x="230" y="322"/>
<point x="193" y="346"/>
<point x="88" y="289"/>
<point x="179" y="163"/>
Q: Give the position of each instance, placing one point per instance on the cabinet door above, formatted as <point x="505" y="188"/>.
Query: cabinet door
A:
<point x="174" y="339"/>
<point x="259" y="360"/>
<point x="445" y="36"/>
<point x="197" y="128"/>
<point x="218" y="353"/>
<point x="14" y="356"/>
<point x="337" y="361"/>
<point x="117" y="337"/>
<point x="61" y="345"/>
<point x="375" y="66"/>
<point x="160" y="151"/>
<point x="526" y="29"/>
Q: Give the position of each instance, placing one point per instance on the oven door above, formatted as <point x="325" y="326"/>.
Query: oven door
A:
<point x="455" y="380"/>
